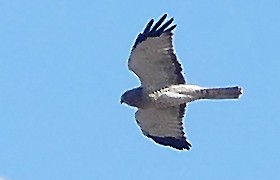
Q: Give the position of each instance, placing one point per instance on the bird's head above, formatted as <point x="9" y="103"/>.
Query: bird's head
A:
<point x="132" y="97"/>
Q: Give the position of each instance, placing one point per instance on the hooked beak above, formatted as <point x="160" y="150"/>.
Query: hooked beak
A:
<point x="121" y="101"/>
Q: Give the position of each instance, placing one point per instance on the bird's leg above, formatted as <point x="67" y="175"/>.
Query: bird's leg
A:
<point x="190" y="92"/>
<point x="168" y="98"/>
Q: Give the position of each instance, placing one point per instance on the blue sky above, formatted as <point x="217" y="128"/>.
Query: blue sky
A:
<point x="63" y="67"/>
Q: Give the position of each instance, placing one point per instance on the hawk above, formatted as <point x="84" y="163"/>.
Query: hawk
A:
<point x="163" y="95"/>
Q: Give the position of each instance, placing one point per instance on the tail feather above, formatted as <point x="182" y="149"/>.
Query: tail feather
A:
<point x="222" y="93"/>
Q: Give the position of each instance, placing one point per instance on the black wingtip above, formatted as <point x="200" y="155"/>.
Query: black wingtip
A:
<point x="158" y="23"/>
<point x="164" y="16"/>
<point x="171" y="28"/>
<point x="156" y="31"/>
<point x="148" y="27"/>
<point x="177" y="143"/>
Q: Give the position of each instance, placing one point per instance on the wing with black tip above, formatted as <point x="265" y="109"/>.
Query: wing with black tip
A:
<point x="153" y="59"/>
<point x="164" y="126"/>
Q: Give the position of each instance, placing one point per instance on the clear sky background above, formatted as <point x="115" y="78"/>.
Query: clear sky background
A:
<point x="63" y="67"/>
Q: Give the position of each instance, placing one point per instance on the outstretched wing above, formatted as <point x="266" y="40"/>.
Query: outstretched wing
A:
<point x="164" y="126"/>
<point x="153" y="59"/>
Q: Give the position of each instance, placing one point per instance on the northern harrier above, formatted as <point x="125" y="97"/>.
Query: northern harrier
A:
<point x="163" y="95"/>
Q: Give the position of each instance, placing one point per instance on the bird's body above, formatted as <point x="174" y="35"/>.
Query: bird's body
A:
<point x="175" y="95"/>
<point x="163" y="95"/>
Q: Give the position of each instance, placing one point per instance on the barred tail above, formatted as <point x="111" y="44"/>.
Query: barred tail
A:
<point x="222" y="93"/>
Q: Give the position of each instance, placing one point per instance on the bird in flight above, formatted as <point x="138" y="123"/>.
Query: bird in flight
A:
<point x="163" y="95"/>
